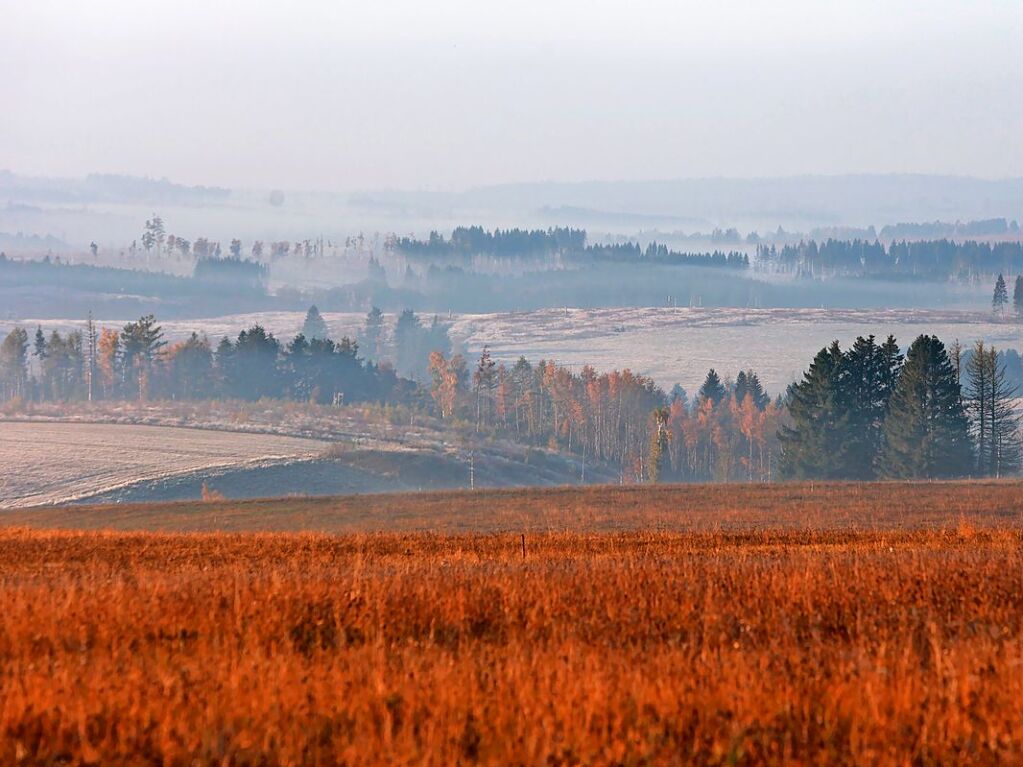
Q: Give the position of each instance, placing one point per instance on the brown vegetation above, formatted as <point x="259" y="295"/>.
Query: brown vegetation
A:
<point x="681" y="508"/>
<point x="897" y="639"/>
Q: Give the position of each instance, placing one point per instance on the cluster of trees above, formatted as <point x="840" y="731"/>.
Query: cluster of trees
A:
<point x="984" y="228"/>
<point x="870" y="412"/>
<point x="156" y="240"/>
<point x="566" y="243"/>
<point x="467" y="241"/>
<point x="136" y="362"/>
<point x="930" y="259"/>
<point x="655" y="253"/>
<point x="726" y="434"/>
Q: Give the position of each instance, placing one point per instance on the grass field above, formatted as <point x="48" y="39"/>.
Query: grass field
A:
<point x="608" y="508"/>
<point x="873" y="624"/>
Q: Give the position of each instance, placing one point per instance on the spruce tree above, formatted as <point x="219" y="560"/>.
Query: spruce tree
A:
<point x="741" y="387"/>
<point x="866" y="371"/>
<point x="40" y="345"/>
<point x="756" y="390"/>
<point x="814" y="445"/>
<point x="1017" y="297"/>
<point x="1000" y="297"/>
<point x="926" y="432"/>
<point x="372" y="339"/>
<point x="314" y="327"/>
<point x="712" y="388"/>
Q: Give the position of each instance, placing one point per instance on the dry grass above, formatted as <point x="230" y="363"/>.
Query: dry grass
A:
<point x="897" y="641"/>
<point x="591" y="508"/>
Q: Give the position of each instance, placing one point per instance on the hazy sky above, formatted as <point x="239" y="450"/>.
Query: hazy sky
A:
<point x="452" y="93"/>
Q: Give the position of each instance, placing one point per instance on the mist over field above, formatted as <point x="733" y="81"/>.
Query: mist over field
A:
<point x="554" y="382"/>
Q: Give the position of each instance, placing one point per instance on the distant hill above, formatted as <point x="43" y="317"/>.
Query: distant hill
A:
<point x="104" y="187"/>
<point x="802" y="202"/>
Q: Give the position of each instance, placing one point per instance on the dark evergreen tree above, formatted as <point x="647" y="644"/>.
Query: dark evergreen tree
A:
<point x="1000" y="297"/>
<point x="314" y="326"/>
<point x="712" y="388"/>
<point x="741" y="387"/>
<point x="814" y="445"/>
<point x="252" y="370"/>
<point x="408" y="350"/>
<point x="926" y="432"/>
<point x="39" y="346"/>
<point x="1017" y="297"/>
<point x="372" y="338"/>
<point x="141" y="345"/>
<point x="756" y="390"/>
<point x="868" y="379"/>
<point x="678" y="392"/>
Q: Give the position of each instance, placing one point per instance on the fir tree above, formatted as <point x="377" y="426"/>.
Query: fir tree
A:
<point x="314" y="327"/>
<point x="926" y="432"/>
<point x="1017" y="297"/>
<point x="1001" y="296"/>
<point x="712" y="388"/>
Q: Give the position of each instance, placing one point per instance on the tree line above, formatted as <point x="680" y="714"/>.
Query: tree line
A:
<point x="863" y="413"/>
<point x="136" y="363"/>
<point x="928" y="259"/>
<point x="541" y="244"/>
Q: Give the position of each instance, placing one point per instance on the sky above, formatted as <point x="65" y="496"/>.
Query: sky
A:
<point x="449" y="94"/>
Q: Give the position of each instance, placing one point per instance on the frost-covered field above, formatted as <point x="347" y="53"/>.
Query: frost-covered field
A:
<point x="46" y="463"/>
<point x="678" y="345"/>
<point x="673" y="345"/>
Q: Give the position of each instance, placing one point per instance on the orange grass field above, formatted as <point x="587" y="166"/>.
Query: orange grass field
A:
<point x="856" y="624"/>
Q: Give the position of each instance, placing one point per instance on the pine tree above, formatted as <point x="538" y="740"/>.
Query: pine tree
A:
<point x="314" y="327"/>
<point x="1001" y="296"/>
<point x="1017" y="297"/>
<point x="712" y="388"/>
<point x="926" y="432"/>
